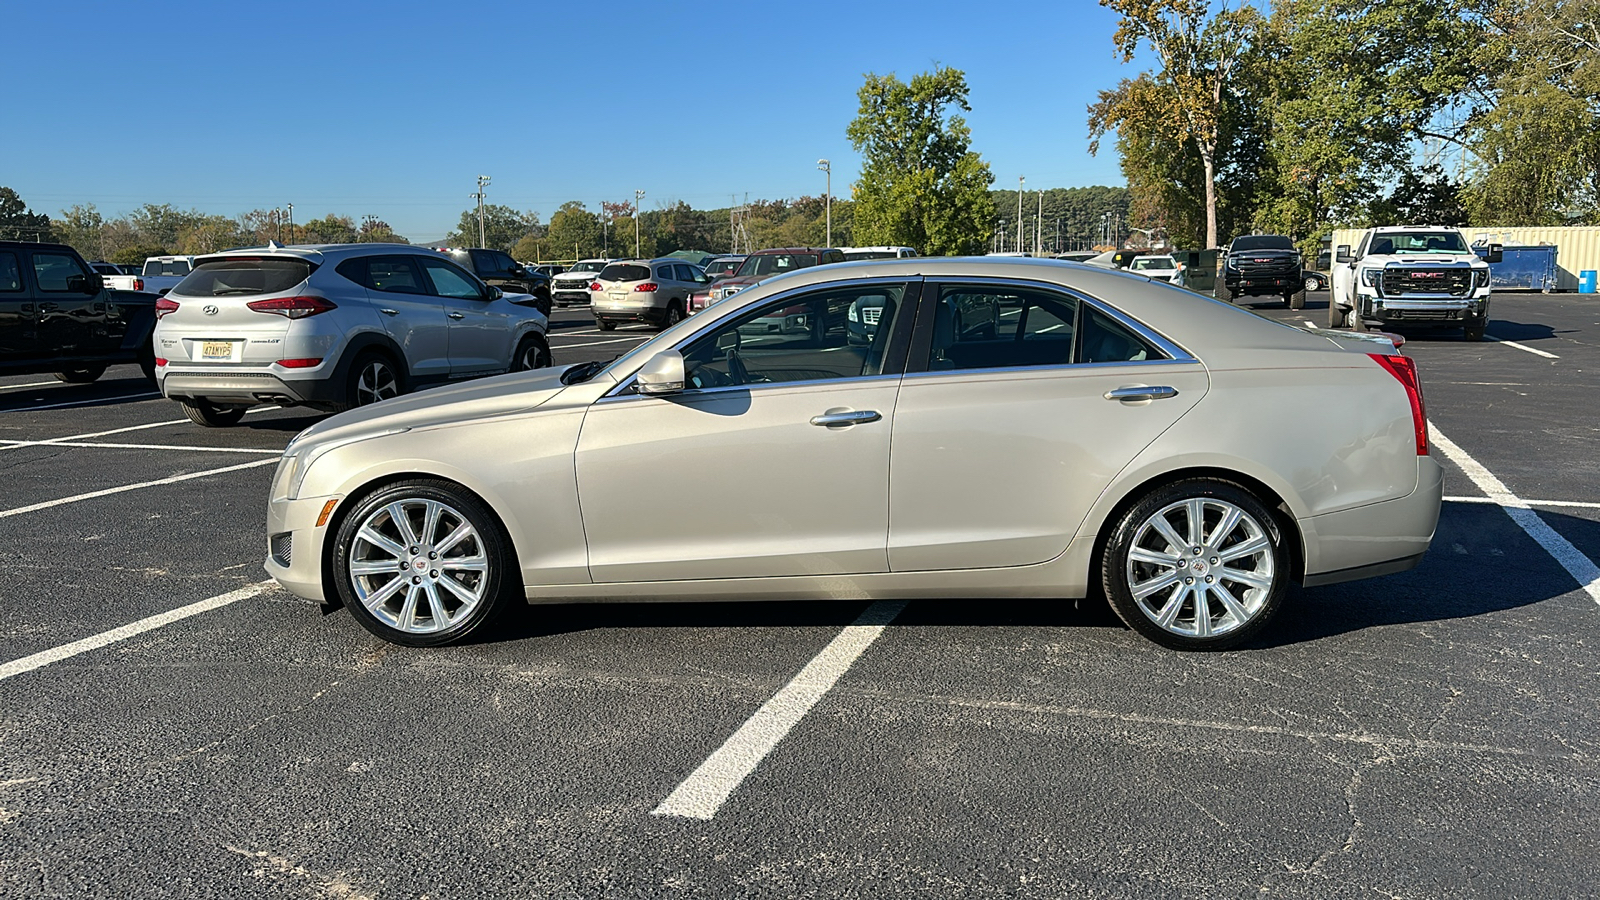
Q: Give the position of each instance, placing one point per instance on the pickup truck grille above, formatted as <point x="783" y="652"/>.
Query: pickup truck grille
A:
<point x="1447" y="282"/>
<point x="1273" y="265"/>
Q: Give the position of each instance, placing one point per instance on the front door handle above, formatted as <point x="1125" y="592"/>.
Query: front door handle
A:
<point x="458" y="315"/>
<point x="389" y="312"/>
<point x="1141" y="392"/>
<point x="846" y="417"/>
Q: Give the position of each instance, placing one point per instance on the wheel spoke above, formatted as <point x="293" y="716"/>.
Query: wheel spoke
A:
<point x="1165" y="529"/>
<point x="1230" y="520"/>
<point x="1140" y="554"/>
<point x="1197" y="521"/>
<point x="408" y="613"/>
<point x="1202" y="612"/>
<point x="436" y="613"/>
<point x="462" y="592"/>
<point x="368" y="534"/>
<point x="430" y="520"/>
<point x="462" y="532"/>
<point x="382" y="595"/>
<point x="465" y="563"/>
<point x="1247" y="548"/>
<point x="402" y="522"/>
<point x="1169" y="612"/>
<point x="373" y="566"/>
<point x="1145" y="588"/>
<point x="1235" y="608"/>
<point x="1254" y="579"/>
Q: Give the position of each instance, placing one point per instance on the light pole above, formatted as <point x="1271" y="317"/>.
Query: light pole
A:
<point x="827" y="197"/>
<point x="1038" y="227"/>
<point x="1020" y="229"/>
<point x="483" y="182"/>
<point x="638" y="196"/>
<point x="291" y="221"/>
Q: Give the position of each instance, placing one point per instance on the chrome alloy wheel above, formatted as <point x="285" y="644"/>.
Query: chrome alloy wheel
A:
<point x="418" y="566"/>
<point x="1201" y="568"/>
<point x="376" y="381"/>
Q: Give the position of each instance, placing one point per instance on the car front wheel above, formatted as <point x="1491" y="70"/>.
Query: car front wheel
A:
<point x="422" y="563"/>
<point x="1196" y="565"/>
<point x="532" y="353"/>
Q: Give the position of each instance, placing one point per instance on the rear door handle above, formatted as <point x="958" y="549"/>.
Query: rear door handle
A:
<point x="1141" y="392"/>
<point x="851" y="417"/>
<point x="457" y="315"/>
<point x="389" y="312"/>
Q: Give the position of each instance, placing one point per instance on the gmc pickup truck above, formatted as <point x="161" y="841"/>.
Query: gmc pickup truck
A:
<point x="57" y="315"/>
<point x="1412" y="275"/>
<point x="1263" y="265"/>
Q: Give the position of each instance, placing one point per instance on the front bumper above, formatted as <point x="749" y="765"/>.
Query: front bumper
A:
<point x="1375" y="539"/>
<point x="1401" y="310"/>
<point x="295" y="545"/>
<point x="1264" y="282"/>
<point x="570" y="296"/>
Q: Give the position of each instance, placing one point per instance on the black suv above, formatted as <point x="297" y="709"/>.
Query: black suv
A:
<point x="1263" y="265"/>
<point x="501" y="271"/>
<point x="56" y="315"/>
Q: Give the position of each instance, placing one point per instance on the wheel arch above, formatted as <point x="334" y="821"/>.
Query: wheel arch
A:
<point x="363" y="342"/>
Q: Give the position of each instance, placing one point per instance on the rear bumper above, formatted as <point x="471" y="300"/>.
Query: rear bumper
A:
<point x="246" y="388"/>
<point x="647" y="314"/>
<point x="1375" y="539"/>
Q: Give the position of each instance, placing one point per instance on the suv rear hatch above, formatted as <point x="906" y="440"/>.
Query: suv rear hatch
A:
<point x="209" y="319"/>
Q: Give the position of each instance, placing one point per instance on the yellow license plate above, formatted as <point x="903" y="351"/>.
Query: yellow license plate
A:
<point x="216" y="350"/>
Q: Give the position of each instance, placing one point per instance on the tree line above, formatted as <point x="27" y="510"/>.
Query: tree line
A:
<point x="1296" y="116"/>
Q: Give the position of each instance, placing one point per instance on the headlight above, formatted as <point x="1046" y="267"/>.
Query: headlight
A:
<point x="1480" y="278"/>
<point x="1370" y="277"/>
<point x="854" y="315"/>
<point x="288" y="471"/>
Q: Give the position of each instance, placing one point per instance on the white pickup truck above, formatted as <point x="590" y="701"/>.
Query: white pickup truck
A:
<point x="1412" y="275"/>
<point x="160" y="274"/>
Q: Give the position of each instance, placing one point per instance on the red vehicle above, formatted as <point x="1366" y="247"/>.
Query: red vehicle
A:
<point x="766" y="263"/>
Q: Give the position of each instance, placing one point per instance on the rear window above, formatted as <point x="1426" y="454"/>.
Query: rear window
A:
<point x="1263" y="242"/>
<point x="776" y="264"/>
<point x="229" y="277"/>
<point x="870" y="254"/>
<point x="166" y="267"/>
<point x="625" y="273"/>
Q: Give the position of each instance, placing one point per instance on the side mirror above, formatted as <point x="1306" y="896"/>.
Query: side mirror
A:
<point x="1343" y="255"/>
<point x="663" y="374"/>
<point x="1496" y="253"/>
<point x="495" y="293"/>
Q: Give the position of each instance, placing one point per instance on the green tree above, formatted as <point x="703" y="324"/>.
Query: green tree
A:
<point x="503" y="227"/>
<point x="82" y="227"/>
<point x="374" y="230"/>
<point x="921" y="184"/>
<point x="18" y="222"/>
<point x="162" y="224"/>
<point x="135" y="254"/>
<point x="573" y="229"/>
<point x="1424" y="196"/>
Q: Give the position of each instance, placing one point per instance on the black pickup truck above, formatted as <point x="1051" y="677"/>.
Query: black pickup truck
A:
<point x="56" y="315"/>
<point x="1263" y="264"/>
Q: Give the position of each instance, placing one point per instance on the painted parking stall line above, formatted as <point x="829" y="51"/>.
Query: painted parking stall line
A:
<point x="1557" y="504"/>
<point x="76" y="498"/>
<point x="105" y="638"/>
<point x="1571" y="558"/>
<point x="1523" y="347"/>
<point x="709" y="786"/>
<point x="107" y="445"/>
<point x="98" y="401"/>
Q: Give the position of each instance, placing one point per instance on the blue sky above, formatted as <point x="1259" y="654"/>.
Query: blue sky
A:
<point x="394" y="109"/>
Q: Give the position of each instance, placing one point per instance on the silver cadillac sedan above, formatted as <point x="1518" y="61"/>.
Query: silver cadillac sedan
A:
<point x="1108" y="434"/>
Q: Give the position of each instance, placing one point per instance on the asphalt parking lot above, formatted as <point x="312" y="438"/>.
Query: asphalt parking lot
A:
<point x="1428" y="734"/>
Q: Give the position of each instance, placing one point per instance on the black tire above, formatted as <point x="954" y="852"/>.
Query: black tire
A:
<point x="673" y="316"/>
<point x="1297" y="300"/>
<point x="1358" y="322"/>
<point x="1335" y="314"/>
<point x="385" y="616"/>
<point x="1474" y="331"/>
<point x="202" y="413"/>
<point x="1222" y="293"/>
<point x="85" y="375"/>
<point x="147" y="360"/>
<point x="372" y="377"/>
<point x="532" y="353"/>
<point x="603" y="325"/>
<point x="1269" y="563"/>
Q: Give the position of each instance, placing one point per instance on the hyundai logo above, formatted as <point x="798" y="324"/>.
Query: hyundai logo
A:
<point x="210" y="309"/>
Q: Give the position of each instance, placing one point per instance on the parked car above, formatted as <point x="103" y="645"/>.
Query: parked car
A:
<point x="1258" y="265"/>
<point x="1108" y="437"/>
<point x="654" y="291"/>
<point x="499" y="270"/>
<point x="1160" y="266"/>
<point x="718" y="269"/>
<point x="158" y="275"/>
<point x="852" y="254"/>
<point x="1404" y="275"/>
<point x="766" y="263"/>
<point x="333" y="327"/>
<point x="58" y="316"/>
<point x="571" y="288"/>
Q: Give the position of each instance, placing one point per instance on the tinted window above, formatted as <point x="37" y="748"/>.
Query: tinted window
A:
<point x="587" y="267"/>
<point x="1107" y="341"/>
<point x="817" y="337"/>
<point x="10" y="273"/>
<point x="664" y="273"/>
<point x="1152" y="262"/>
<point x="684" y="273"/>
<point x="776" y="264"/>
<point x="390" y="274"/>
<point x="51" y="270"/>
<point x="224" y="277"/>
<point x="166" y="267"/>
<point x="870" y="254"/>
<point x="1000" y="327"/>
<point x="1262" y="242"/>
<point x="449" y="281"/>
<point x="486" y="264"/>
<point x="1423" y="242"/>
<point x="719" y="268"/>
<point x="625" y="273"/>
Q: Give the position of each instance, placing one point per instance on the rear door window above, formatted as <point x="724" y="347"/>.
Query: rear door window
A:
<point x="389" y="274"/>
<point x="10" y="273"/>
<point x="485" y="263"/>
<point x="664" y="273"/>
<point x="243" y="275"/>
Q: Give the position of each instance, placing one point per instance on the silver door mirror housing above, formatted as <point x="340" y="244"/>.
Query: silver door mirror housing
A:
<point x="663" y="374"/>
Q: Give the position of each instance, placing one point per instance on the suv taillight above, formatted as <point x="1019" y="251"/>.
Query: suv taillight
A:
<point x="596" y="287"/>
<point x="648" y="287"/>
<point x="166" y="305"/>
<point x="1404" y="369"/>
<point x="292" y="307"/>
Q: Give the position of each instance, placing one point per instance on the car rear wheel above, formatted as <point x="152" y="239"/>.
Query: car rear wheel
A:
<point x="85" y="375"/>
<point x="603" y="325"/>
<point x="1196" y="565"/>
<point x="532" y="353"/>
<point x="202" y="413"/>
<point x="422" y="563"/>
<point x="372" y="378"/>
<point x="1222" y="293"/>
<point x="674" y="315"/>
<point x="1297" y="300"/>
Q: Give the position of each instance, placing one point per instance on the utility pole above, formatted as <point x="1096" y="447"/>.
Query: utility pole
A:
<point x="827" y="197"/>
<point x="638" y="197"/>
<point x="291" y="222"/>
<point x="1020" y="181"/>
<point x="1038" y="225"/>
<point x="483" y="182"/>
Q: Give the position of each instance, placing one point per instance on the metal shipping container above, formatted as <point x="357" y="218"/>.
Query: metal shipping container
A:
<point x="1577" y="248"/>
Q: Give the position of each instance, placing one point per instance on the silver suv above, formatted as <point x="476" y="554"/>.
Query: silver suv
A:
<point x="654" y="291"/>
<point x="333" y="327"/>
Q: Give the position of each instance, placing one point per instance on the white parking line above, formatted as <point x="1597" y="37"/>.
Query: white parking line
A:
<point x="598" y="343"/>
<point x="703" y="792"/>
<point x="95" y="642"/>
<point x="8" y="445"/>
<point x="102" y="445"/>
<point x="35" y="507"/>
<point x="1311" y="325"/>
<point x="96" y="402"/>
<point x="1577" y="565"/>
<point x="1523" y="347"/>
<point x="18" y="387"/>
<point x="1571" y="504"/>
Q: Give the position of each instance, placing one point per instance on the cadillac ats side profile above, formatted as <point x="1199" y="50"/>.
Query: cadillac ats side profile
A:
<point x="961" y="428"/>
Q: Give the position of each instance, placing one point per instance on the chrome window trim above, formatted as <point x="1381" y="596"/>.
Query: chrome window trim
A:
<point x="1067" y="368"/>
<point x="1174" y="352"/>
<point x="762" y="386"/>
<point x="780" y="296"/>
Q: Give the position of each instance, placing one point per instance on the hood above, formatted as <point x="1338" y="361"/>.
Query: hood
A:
<point x="477" y="399"/>
<point x="1431" y="259"/>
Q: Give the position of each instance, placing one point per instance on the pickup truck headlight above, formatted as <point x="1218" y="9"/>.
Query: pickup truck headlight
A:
<point x="1480" y="278"/>
<point x="1370" y="277"/>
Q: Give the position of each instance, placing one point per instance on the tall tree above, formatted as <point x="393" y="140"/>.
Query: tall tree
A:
<point x="572" y="229"/>
<point x="921" y="184"/>
<point x="18" y="222"/>
<point x="503" y="227"/>
<point x="1182" y="102"/>
<point x="82" y="227"/>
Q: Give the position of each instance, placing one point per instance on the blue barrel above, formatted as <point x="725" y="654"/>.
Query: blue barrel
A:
<point x="1586" y="281"/>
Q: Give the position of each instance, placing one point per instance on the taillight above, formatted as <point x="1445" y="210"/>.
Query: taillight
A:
<point x="649" y="287"/>
<point x="1404" y="369"/>
<point x="166" y="305"/>
<point x="138" y="284"/>
<point x="302" y="363"/>
<point x="292" y="307"/>
<point x="160" y="362"/>
<point x="596" y="287"/>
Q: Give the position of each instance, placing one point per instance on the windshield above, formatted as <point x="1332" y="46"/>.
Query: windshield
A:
<point x="870" y="254"/>
<point x="225" y="277"/>
<point x="722" y="267"/>
<point x="1262" y="242"/>
<point x="776" y="263"/>
<point x="1418" y="242"/>
<point x="1153" y="262"/>
<point x="587" y="267"/>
